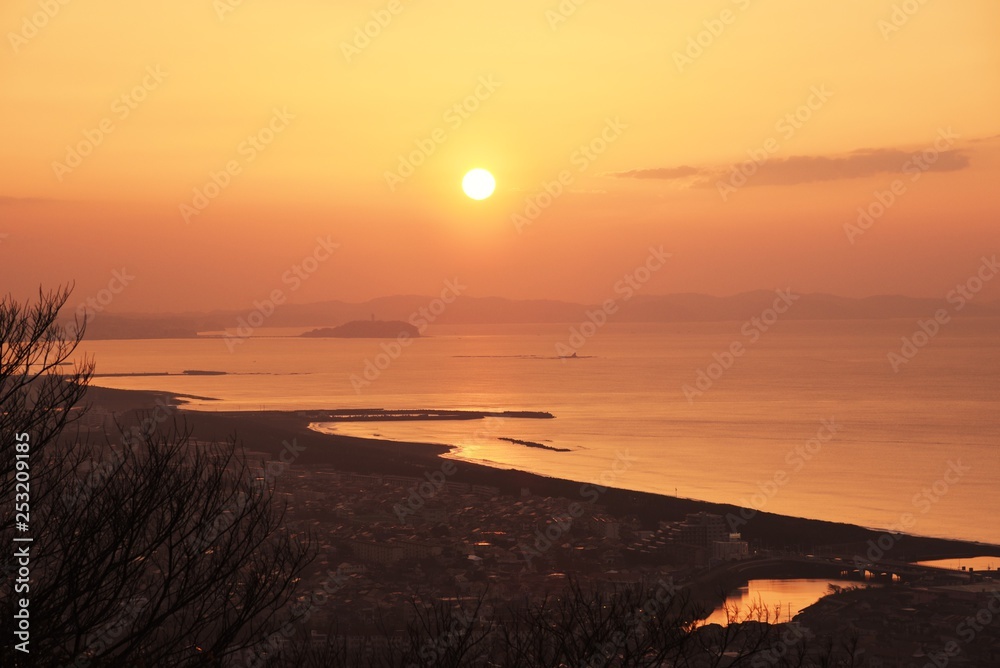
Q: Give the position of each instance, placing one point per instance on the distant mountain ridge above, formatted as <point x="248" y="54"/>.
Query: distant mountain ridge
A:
<point x="683" y="307"/>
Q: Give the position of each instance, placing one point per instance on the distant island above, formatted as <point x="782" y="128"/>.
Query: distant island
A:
<point x="367" y="329"/>
<point x="673" y="308"/>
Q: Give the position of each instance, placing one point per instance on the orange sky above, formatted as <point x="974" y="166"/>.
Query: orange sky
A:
<point x="162" y="95"/>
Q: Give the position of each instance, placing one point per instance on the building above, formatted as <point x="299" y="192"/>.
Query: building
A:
<point x="703" y="529"/>
<point x="733" y="549"/>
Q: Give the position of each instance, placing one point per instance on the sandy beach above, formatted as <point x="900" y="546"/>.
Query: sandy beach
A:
<point x="268" y="431"/>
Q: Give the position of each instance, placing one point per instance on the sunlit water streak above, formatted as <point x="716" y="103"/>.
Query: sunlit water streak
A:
<point x="736" y="443"/>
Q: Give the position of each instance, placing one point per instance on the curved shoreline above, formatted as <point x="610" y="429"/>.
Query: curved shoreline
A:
<point x="266" y="431"/>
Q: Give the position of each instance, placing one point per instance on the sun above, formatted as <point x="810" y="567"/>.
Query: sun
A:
<point x="479" y="184"/>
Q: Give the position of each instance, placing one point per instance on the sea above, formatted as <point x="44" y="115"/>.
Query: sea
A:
<point x="867" y="422"/>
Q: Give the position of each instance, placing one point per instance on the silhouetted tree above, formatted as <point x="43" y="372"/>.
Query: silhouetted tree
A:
<point x="149" y="552"/>
<point x="631" y="626"/>
<point x="156" y="551"/>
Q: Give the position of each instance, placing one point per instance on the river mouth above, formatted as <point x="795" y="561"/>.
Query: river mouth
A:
<point x="775" y="601"/>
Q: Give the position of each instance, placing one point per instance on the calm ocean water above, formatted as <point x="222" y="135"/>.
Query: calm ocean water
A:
<point x="917" y="449"/>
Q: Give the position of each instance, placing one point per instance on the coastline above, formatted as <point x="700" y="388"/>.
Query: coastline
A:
<point x="267" y="431"/>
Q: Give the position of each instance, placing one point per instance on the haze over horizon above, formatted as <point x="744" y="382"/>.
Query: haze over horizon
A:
<point x="834" y="106"/>
<point x="751" y="296"/>
<point x="517" y="334"/>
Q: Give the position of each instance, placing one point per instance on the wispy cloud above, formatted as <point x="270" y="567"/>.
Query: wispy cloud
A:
<point x="986" y="140"/>
<point x="799" y="169"/>
<point x="681" y="172"/>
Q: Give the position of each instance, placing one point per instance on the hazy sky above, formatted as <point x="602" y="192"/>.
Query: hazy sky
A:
<point x="117" y="111"/>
